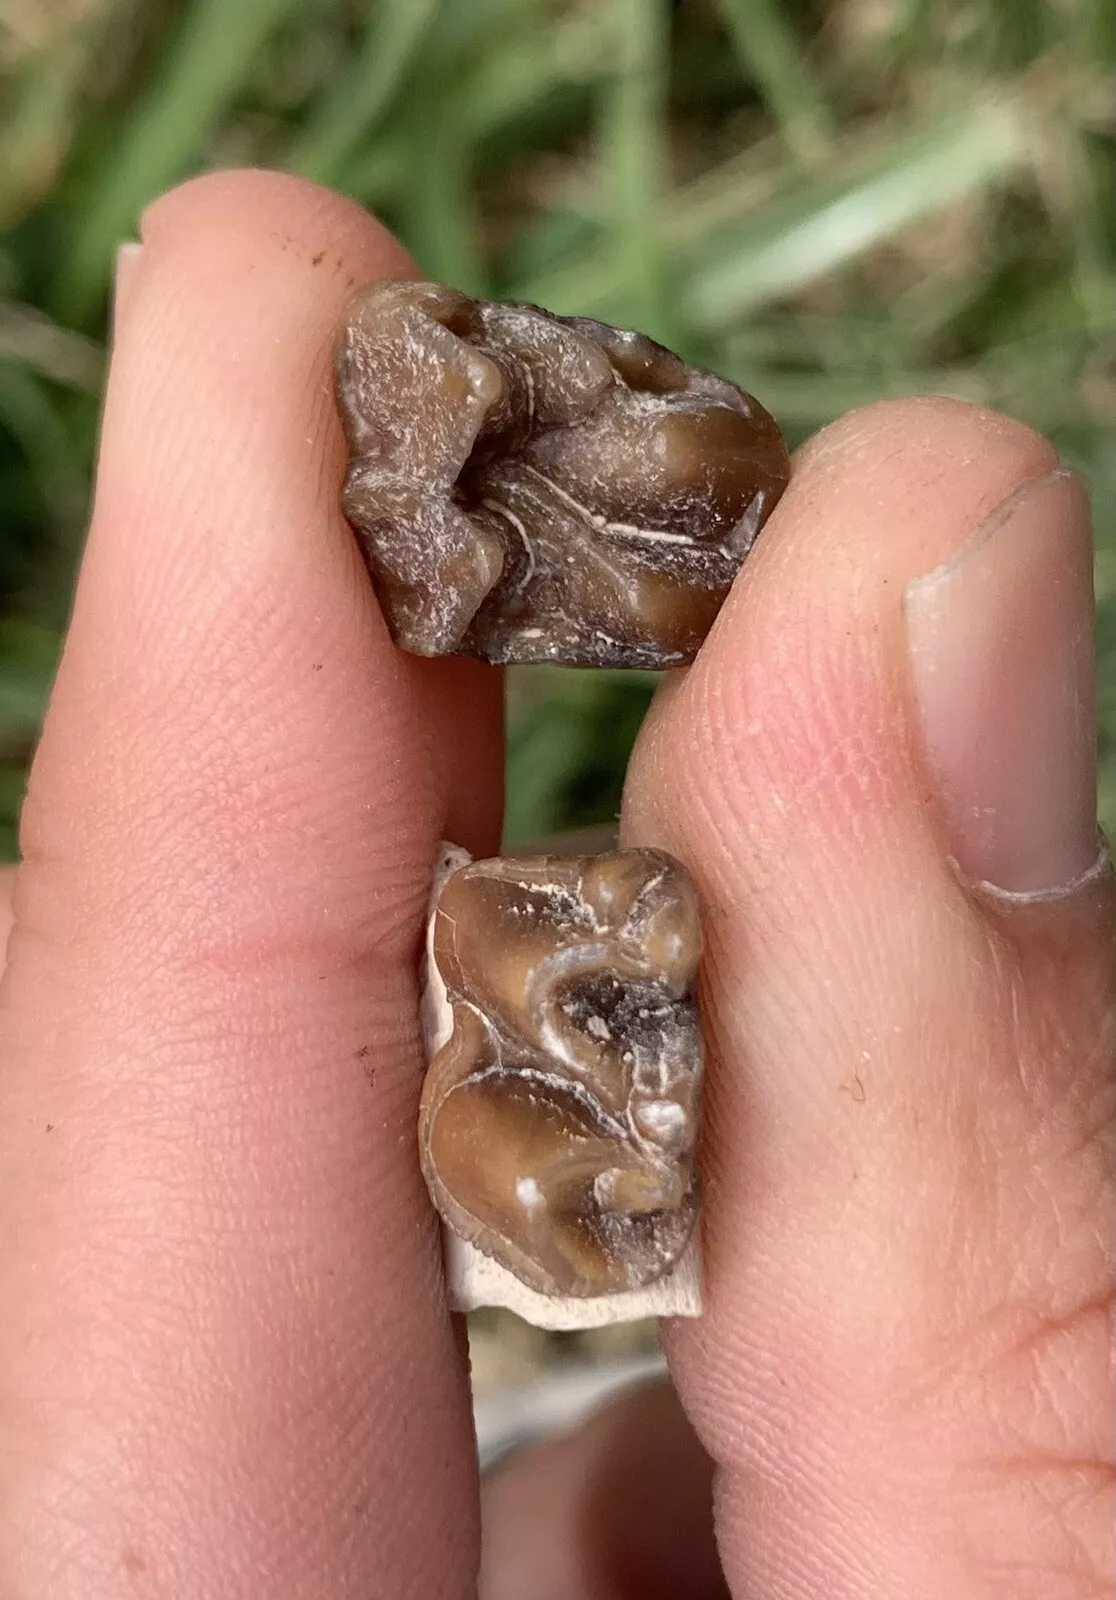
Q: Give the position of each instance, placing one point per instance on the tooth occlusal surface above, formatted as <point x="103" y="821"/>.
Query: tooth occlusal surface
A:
<point x="568" y="1191"/>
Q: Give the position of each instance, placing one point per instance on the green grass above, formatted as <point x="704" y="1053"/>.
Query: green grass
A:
<point x="829" y="201"/>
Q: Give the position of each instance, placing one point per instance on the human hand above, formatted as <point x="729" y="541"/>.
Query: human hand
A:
<point x="226" y="1363"/>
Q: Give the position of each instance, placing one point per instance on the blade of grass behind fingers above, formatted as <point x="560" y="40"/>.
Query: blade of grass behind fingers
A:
<point x="28" y="416"/>
<point x="349" y="109"/>
<point x="772" y="56"/>
<point x="437" y="208"/>
<point x="1099" y="33"/>
<point x="512" y="80"/>
<point x="634" y="159"/>
<point x="32" y="340"/>
<point x="568" y="739"/>
<point x="28" y="658"/>
<point x="13" y="782"/>
<point x="36" y="126"/>
<point x="801" y="234"/>
<point x="815" y="230"/>
<point x="203" y="71"/>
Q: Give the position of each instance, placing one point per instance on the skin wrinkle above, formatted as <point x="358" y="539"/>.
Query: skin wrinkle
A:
<point x="1049" y="1359"/>
<point x="861" y="946"/>
<point x="857" y="1533"/>
<point x="196" y="717"/>
<point x="192" y="998"/>
<point x="802" y="733"/>
<point x="1046" y="1511"/>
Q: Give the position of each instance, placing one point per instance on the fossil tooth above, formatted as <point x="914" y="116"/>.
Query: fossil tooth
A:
<point x="527" y="487"/>
<point x="559" y="1115"/>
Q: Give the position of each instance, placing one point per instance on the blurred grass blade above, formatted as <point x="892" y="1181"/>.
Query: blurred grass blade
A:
<point x="34" y="341"/>
<point x="568" y="737"/>
<point x="802" y="238"/>
<point x="36" y="126"/>
<point x="28" y="657"/>
<point x="634" y="158"/>
<point x="28" y="416"/>
<point x="1099" y="41"/>
<point x="1083" y="206"/>
<point x="438" y="204"/>
<point x="511" y="80"/>
<point x="469" y="27"/>
<point x="805" y="402"/>
<point x="349" y="109"/>
<point x="204" y="71"/>
<point x="736" y="249"/>
<point x="12" y="785"/>
<point x="545" y="753"/>
<point x="773" y="58"/>
<point x="515" y="75"/>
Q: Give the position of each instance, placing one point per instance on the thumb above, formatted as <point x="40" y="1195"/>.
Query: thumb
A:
<point x="909" y="984"/>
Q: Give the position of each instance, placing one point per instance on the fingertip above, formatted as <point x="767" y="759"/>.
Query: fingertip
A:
<point x="942" y="426"/>
<point x="302" y="217"/>
<point x="233" y="247"/>
<point x="806" y="658"/>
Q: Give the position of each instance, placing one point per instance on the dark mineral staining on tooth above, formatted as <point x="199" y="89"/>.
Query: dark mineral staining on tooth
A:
<point x="558" y="1127"/>
<point x="528" y="487"/>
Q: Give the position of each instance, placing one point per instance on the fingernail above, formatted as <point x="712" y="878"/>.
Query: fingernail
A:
<point x="127" y="259"/>
<point x="1001" y="649"/>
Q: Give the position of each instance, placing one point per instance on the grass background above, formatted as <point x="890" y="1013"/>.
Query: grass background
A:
<point x="828" y="202"/>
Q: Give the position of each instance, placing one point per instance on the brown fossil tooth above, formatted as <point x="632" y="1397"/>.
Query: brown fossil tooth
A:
<point x="559" y="1116"/>
<point x="528" y="487"/>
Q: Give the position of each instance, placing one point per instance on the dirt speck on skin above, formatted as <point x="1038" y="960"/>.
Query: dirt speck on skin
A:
<point x="854" y="1086"/>
<point x="133" y="1561"/>
<point x="50" y="1127"/>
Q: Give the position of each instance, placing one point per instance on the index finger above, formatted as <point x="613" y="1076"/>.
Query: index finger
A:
<point x="225" y="1360"/>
